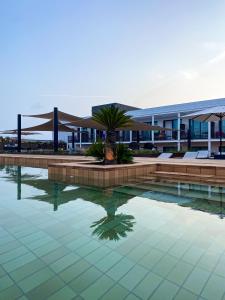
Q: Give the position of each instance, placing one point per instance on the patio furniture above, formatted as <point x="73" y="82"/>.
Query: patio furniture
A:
<point x="165" y="155"/>
<point x="203" y="154"/>
<point x="190" y="155"/>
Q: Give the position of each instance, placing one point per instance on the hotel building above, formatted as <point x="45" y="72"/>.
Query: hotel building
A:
<point x="203" y="135"/>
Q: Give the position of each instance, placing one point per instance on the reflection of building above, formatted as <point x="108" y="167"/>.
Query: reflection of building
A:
<point x="171" y="116"/>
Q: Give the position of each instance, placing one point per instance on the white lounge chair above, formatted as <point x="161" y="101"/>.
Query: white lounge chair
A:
<point x="203" y="154"/>
<point x="190" y="155"/>
<point x="165" y="155"/>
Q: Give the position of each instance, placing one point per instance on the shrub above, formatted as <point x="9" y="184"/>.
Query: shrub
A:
<point x="123" y="154"/>
<point x="96" y="150"/>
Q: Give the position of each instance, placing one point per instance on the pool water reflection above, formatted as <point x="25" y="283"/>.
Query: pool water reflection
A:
<point x="146" y="240"/>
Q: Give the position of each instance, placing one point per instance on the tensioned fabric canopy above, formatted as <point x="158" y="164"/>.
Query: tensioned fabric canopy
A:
<point x="48" y="126"/>
<point x="131" y="125"/>
<point x="61" y="116"/>
<point x="211" y="114"/>
<point x="15" y="132"/>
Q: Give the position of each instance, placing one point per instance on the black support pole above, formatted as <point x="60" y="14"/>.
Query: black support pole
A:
<point x="221" y="132"/>
<point x="56" y="130"/>
<point x="19" y="133"/>
<point x="73" y="140"/>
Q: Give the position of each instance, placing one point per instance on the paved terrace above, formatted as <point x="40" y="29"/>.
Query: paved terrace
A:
<point x="82" y="168"/>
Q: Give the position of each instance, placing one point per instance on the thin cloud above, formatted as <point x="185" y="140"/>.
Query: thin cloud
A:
<point x="73" y="96"/>
<point x="218" y="58"/>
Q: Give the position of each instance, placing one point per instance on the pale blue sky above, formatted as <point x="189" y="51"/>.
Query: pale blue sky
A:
<point x="75" y="53"/>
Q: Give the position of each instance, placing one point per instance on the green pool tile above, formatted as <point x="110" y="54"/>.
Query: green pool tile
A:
<point x="2" y="272"/>
<point x="151" y="259"/>
<point x="46" y="289"/>
<point x="208" y="261"/>
<point x="108" y="261"/>
<point x="22" y="298"/>
<point x="88" y="248"/>
<point x="79" y="242"/>
<point x="220" y="269"/>
<point x="11" y="293"/>
<point x="13" y="254"/>
<point x="166" y="243"/>
<point x="196" y="280"/>
<point x="65" y="293"/>
<point x="180" y="272"/>
<point x="179" y="248"/>
<point x="165" y="265"/>
<point x="137" y="253"/>
<point x="98" y="288"/>
<point x="116" y="292"/>
<point x="74" y="270"/>
<point x="29" y="239"/>
<point x="47" y="248"/>
<point x="214" y="288"/>
<point x="131" y="297"/>
<point x="96" y="255"/>
<point x="27" y="270"/>
<point x="165" y="291"/>
<point x="185" y="295"/>
<point x="5" y="282"/>
<point x="193" y="255"/>
<point x="64" y="262"/>
<point x="147" y="286"/>
<point x="127" y="246"/>
<point x="19" y="262"/>
<point x="35" y="279"/>
<point x="39" y="242"/>
<point x="55" y="255"/>
<point x="133" y="277"/>
<point x="9" y="246"/>
<point x="80" y="283"/>
<point x="120" y="269"/>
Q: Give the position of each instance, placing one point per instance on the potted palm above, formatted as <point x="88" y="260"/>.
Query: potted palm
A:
<point x="111" y="118"/>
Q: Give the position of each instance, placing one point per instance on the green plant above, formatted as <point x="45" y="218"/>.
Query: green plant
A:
<point x="112" y="118"/>
<point x="96" y="150"/>
<point x="123" y="154"/>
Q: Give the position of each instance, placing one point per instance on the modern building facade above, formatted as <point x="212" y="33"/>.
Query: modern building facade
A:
<point x="185" y="133"/>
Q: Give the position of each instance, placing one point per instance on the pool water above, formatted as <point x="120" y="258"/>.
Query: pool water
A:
<point x="146" y="240"/>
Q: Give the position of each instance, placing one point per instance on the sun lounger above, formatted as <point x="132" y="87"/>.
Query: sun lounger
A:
<point x="203" y="154"/>
<point x="190" y="155"/>
<point x="165" y="155"/>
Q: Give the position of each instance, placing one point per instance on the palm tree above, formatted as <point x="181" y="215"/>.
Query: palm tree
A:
<point x="111" y="118"/>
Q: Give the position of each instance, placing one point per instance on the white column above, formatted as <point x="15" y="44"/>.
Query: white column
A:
<point x="130" y="136"/>
<point x="95" y="135"/>
<point x="178" y="132"/>
<point x="153" y="135"/>
<point x="80" y="137"/>
<point x="209" y="139"/>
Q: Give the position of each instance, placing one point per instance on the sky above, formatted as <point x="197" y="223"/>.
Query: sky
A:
<point x="78" y="53"/>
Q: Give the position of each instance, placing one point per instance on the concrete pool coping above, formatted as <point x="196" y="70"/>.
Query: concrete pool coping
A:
<point x="82" y="170"/>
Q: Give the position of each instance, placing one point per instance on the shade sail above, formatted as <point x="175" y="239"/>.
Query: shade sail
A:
<point x="131" y="125"/>
<point x="61" y="116"/>
<point x="211" y="114"/>
<point x="15" y="132"/>
<point x="48" y="126"/>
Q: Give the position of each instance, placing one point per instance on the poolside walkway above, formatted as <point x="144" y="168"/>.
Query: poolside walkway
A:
<point x="81" y="167"/>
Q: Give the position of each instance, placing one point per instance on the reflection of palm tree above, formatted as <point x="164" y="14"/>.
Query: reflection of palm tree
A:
<point x="113" y="227"/>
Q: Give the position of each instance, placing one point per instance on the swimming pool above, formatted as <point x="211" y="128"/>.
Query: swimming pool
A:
<point x="146" y="240"/>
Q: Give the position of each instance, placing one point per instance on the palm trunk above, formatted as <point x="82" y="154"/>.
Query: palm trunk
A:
<point x="110" y="148"/>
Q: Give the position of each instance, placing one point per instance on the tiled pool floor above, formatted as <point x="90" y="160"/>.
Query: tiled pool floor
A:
<point x="148" y="241"/>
